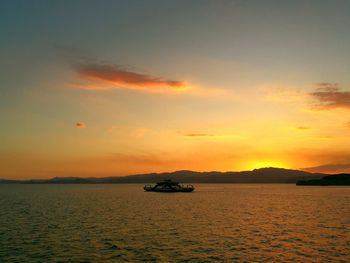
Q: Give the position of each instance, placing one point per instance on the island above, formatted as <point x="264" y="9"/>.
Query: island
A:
<point x="335" y="179"/>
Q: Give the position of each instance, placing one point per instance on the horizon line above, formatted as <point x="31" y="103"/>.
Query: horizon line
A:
<point x="174" y="171"/>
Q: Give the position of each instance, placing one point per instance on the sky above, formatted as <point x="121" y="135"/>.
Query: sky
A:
<point x="110" y="88"/>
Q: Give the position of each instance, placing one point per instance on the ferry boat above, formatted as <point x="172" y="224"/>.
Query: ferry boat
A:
<point x="168" y="186"/>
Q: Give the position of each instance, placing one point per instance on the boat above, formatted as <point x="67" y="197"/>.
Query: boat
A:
<point x="168" y="186"/>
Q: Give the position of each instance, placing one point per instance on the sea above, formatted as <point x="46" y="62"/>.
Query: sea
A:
<point x="215" y="223"/>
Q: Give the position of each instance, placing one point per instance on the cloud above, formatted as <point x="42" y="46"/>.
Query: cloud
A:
<point x="80" y="125"/>
<point x="103" y="76"/>
<point x="283" y="94"/>
<point x="329" y="96"/>
<point x="329" y="168"/>
<point x="302" y="128"/>
<point x="198" y="134"/>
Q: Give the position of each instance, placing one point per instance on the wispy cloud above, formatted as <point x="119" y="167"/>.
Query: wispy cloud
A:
<point x="198" y="135"/>
<point x="329" y="168"/>
<point x="329" y="96"/>
<point x="283" y="94"/>
<point x="104" y="76"/>
<point x="302" y="128"/>
<point x="80" y="125"/>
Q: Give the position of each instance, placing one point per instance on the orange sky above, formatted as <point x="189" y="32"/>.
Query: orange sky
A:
<point x="216" y="86"/>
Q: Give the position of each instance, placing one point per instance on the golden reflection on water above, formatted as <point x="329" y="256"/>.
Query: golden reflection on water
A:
<point x="116" y="223"/>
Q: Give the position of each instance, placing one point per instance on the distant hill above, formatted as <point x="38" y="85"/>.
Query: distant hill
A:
<point x="263" y="175"/>
<point x="5" y="181"/>
<point x="336" y="179"/>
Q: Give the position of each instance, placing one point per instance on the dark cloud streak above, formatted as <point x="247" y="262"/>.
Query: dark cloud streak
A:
<point x="302" y="128"/>
<point x="329" y="96"/>
<point x="80" y="125"/>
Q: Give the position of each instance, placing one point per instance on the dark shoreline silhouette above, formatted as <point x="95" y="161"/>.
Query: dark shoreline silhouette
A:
<point x="335" y="179"/>
<point x="263" y="175"/>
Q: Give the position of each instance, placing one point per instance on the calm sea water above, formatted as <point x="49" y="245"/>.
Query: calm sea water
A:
<point x="216" y="223"/>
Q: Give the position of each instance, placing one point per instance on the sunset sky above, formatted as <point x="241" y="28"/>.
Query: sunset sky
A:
<point x="101" y="88"/>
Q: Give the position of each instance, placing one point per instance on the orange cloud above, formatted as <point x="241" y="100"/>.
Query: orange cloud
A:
<point x="102" y="76"/>
<point x="80" y="125"/>
<point x="198" y="135"/>
<point x="328" y="96"/>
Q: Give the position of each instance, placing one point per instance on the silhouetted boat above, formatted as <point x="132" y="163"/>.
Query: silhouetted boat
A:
<point x="168" y="186"/>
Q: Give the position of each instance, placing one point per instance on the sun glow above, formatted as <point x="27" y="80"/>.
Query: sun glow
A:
<point x="265" y="163"/>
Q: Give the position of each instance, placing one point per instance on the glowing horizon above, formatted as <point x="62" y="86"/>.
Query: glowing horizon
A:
<point x="136" y="89"/>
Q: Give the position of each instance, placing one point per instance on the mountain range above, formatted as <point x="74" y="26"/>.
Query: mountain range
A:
<point x="262" y="175"/>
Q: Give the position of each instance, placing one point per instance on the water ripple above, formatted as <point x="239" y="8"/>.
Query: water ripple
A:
<point x="216" y="223"/>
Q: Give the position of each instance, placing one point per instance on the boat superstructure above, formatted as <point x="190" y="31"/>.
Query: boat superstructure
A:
<point x="168" y="186"/>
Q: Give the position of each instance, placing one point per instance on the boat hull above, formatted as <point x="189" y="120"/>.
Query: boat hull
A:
<point x="168" y="186"/>
<point x="170" y="191"/>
